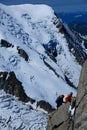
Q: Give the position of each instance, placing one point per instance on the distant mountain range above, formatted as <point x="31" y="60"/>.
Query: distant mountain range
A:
<point x="77" y="21"/>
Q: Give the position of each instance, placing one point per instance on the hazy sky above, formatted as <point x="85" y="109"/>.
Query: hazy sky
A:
<point x="58" y="5"/>
<point x="72" y="2"/>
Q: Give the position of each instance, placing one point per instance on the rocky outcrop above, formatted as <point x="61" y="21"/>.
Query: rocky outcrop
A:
<point x="6" y="44"/>
<point x="62" y="119"/>
<point x="45" y="105"/>
<point x="59" y="119"/>
<point x="80" y="122"/>
<point x="22" y="53"/>
<point x="10" y="84"/>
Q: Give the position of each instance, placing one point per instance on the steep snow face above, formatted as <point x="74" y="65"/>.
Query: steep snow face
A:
<point x="30" y="27"/>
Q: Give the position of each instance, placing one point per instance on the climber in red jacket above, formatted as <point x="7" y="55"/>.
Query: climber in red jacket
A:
<point x="68" y="98"/>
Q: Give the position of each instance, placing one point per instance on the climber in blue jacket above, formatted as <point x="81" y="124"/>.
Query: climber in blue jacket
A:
<point x="59" y="100"/>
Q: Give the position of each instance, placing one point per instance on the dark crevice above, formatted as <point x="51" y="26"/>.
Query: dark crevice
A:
<point x="51" y="68"/>
<point x="56" y="126"/>
<point x="70" y="83"/>
<point x="81" y="100"/>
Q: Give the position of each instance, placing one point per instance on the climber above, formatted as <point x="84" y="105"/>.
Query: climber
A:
<point x="72" y="107"/>
<point x="59" y="100"/>
<point x="68" y="98"/>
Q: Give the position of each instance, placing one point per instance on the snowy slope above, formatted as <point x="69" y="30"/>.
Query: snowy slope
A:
<point x="15" y="115"/>
<point x="29" y="27"/>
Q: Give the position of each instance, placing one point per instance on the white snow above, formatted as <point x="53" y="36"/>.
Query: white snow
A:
<point x="1" y="36"/>
<point x="30" y="26"/>
<point x="16" y="115"/>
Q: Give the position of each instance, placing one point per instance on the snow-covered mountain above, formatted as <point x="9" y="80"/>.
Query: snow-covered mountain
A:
<point x="31" y="28"/>
<point x="39" y="48"/>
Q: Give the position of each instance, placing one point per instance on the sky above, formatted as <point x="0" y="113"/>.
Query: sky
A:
<point x="58" y="5"/>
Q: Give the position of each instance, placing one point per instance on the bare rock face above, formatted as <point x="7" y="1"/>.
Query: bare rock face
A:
<point x="61" y="119"/>
<point x="80" y="122"/>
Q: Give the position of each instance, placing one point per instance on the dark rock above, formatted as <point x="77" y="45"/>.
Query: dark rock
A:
<point x="23" y="53"/>
<point x="12" y="85"/>
<point x="6" y="44"/>
<point x="55" y="53"/>
<point x="3" y="76"/>
<point x="45" y="105"/>
<point x="80" y="121"/>
<point x="85" y="44"/>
